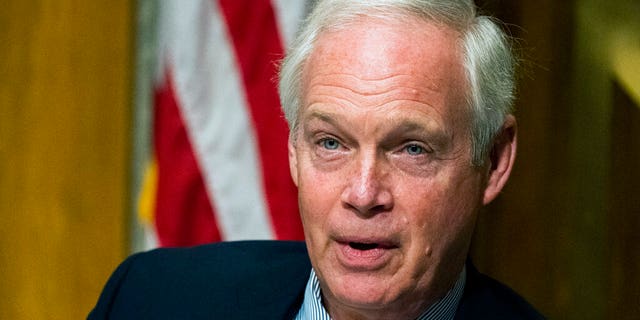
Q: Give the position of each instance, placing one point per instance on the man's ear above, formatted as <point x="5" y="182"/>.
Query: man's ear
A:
<point x="293" y="159"/>
<point x="501" y="157"/>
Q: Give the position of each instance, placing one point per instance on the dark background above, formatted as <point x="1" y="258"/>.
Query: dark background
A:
<point x="566" y="231"/>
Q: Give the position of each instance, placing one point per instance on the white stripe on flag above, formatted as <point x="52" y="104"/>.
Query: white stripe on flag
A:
<point x="213" y="104"/>
<point x="289" y="15"/>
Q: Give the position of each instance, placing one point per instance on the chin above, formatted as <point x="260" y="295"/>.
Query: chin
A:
<point x="361" y="291"/>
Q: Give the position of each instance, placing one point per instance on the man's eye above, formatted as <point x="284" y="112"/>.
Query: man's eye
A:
<point x="330" y="144"/>
<point x="414" y="149"/>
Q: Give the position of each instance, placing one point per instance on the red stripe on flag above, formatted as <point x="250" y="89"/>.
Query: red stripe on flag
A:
<point x="257" y="44"/>
<point x="184" y="215"/>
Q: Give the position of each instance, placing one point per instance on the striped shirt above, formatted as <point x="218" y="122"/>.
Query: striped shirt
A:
<point x="443" y="309"/>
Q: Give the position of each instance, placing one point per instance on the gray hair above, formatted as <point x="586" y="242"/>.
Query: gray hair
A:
<point x="488" y="59"/>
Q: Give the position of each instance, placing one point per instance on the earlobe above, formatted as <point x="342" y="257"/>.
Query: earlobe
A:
<point x="293" y="160"/>
<point x="502" y="157"/>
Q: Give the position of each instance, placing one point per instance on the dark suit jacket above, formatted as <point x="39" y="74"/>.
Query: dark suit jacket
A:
<point x="251" y="280"/>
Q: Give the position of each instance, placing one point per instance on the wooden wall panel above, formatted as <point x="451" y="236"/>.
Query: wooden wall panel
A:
<point x="623" y="221"/>
<point x="564" y="232"/>
<point x="65" y="92"/>
<point x="519" y="236"/>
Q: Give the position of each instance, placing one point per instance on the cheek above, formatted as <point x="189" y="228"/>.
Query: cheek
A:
<point x="316" y="180"/>
<point x="316" y="200"/>
<point x="317" y="194"/>
<point x="441" y="213"/>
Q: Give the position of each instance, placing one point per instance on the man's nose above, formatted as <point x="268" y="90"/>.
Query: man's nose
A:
<point x="367" y="191"/>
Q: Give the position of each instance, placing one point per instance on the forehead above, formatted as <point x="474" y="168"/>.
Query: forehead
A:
<point x="376" y="49"/>
<point x="370" y="67"/>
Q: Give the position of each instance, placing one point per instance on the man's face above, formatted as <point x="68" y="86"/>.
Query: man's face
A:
<point x="387" y="192"/>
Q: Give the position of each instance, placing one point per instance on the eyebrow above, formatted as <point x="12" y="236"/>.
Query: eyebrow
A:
<point x="329" y="118"/>
<point x="403" y="126"/>
<point x="439" y="138"/>
<point x="409" y="126"/>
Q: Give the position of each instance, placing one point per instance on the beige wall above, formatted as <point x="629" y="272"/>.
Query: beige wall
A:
<point x="65" y="70"/>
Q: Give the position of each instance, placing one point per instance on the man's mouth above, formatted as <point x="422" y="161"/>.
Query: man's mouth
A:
<point x="364" y="246"/>
<point x="368" y="243"/>
<point x="366" y="254"/>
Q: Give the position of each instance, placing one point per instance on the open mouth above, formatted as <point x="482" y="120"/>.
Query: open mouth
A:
<point x="366" y="254"/>
<point x="364" y="246"/>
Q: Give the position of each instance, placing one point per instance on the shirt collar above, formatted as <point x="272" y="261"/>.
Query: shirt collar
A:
<point x="443" y="309"/>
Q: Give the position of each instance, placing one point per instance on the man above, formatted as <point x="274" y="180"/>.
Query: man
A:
<point x="401" y="130"/>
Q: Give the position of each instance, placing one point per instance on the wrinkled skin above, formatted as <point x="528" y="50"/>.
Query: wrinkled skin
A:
<point x="388" y="195"/>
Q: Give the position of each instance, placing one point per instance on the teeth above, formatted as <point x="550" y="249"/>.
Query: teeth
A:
<point x="363" y="246"/>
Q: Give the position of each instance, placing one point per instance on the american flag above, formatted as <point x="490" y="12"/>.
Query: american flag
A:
<point x="219" y="169"/>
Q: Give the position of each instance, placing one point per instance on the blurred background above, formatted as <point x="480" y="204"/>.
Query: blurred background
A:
<point x="80" y="83"/>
